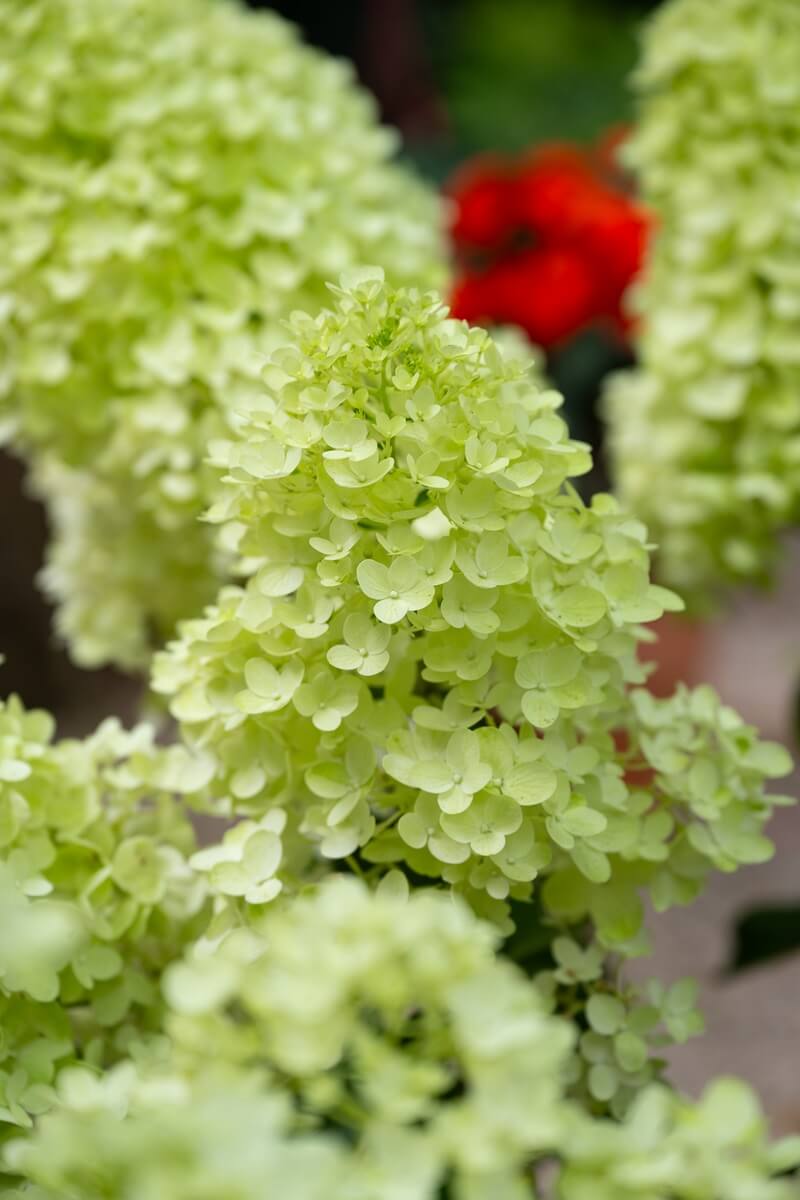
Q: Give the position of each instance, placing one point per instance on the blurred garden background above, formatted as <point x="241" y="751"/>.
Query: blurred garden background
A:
<point x="462" y="80"/>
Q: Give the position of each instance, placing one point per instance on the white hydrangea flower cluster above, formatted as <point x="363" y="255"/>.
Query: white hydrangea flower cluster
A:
<point x="428" y="678"/>
<point x="176" y="179"/>
<point x="391" y="1016"/>
<point x="367" y="1047"/>
<point x="705" y="433"/>
<point x="429" y="663"/>
<point x="97" y="896"/>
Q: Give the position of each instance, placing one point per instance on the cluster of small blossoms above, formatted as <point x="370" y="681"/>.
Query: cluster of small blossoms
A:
<point x="97" y="897"/>
<point x="123" y="563"/>
<point x="694" y="802"/>
<point x="372" y="1047"/>
<point x="429" y="663"/>
<point x="230" y="1142"/>
<point x="623" y="1030"/>
<point x="176" y="179"/>
<point x="669" y="1148"/>
<point x="706" y="431"/>
<point x="388" y="1016"/>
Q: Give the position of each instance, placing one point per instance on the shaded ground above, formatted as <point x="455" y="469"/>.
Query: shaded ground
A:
<point x="752" y="656"/>
<point x="753" y="1017"/>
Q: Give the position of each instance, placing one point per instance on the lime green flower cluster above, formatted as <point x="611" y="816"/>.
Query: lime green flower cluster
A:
<point x="231" y="1143"/>
<point x="670" y="1149"/>
<point x="388" y="1017"/>
<point x="427" y="678"/>
<point x="367" y="1047"/>
<point x="624" y="1030"/>
<point x="176" y="178"/>
<point x="97" y="897"/>
<point x="706" y="431"/>
<point x="429" y="663"/>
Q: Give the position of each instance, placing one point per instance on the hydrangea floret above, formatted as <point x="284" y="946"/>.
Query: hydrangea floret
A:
<point x="705" y="432"/>
<point x="176" y="178"/>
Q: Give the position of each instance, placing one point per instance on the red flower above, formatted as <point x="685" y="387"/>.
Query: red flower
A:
<point x="483" y="195"/>
<point x="549" y="243"/>
<point x="548" y="291"/>
<point x="556" y="191"/>
<point x="616" y="243"/>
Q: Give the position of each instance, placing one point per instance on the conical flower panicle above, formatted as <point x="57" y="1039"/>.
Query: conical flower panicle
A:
<point x="430" y="660"/>
<point x="705" y="432"/>
<point x="176" y="179"/>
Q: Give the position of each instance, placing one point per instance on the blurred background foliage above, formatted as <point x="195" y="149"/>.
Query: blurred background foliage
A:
<point x="516" y="72"/>
<point x="461" y="77"/>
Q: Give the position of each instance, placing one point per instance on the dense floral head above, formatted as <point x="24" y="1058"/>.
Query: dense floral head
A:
<point x="370" y="1047"/>
<point x="705" y="433"/>
<point x="431" y="655"/>
<point x="176" y="179"/>
<point x="96" y="896"/>
<point x="377" y="1037"/>
<point x="386" y="1013"/>
<point x="549" y="242"/>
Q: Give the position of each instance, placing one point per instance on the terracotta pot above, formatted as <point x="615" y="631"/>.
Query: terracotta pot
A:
<point x="679" y="653"/>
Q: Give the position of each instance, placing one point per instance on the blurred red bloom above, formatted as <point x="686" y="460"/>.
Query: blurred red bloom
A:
<point x="549" y="241"/>
<point x="484" y="204"/>
<point x="547" y="290"/>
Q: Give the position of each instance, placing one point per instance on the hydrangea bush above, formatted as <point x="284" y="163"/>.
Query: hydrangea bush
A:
<point x="706" y="431"/>
<point x="175" y="180"/>
<point x="444" y="793"/>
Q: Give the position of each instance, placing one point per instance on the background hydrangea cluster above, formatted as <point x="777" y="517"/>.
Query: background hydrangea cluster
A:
<point x="97" y="897"/>
<point x="706" y="432"/>
<point x="176" y="179"/>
